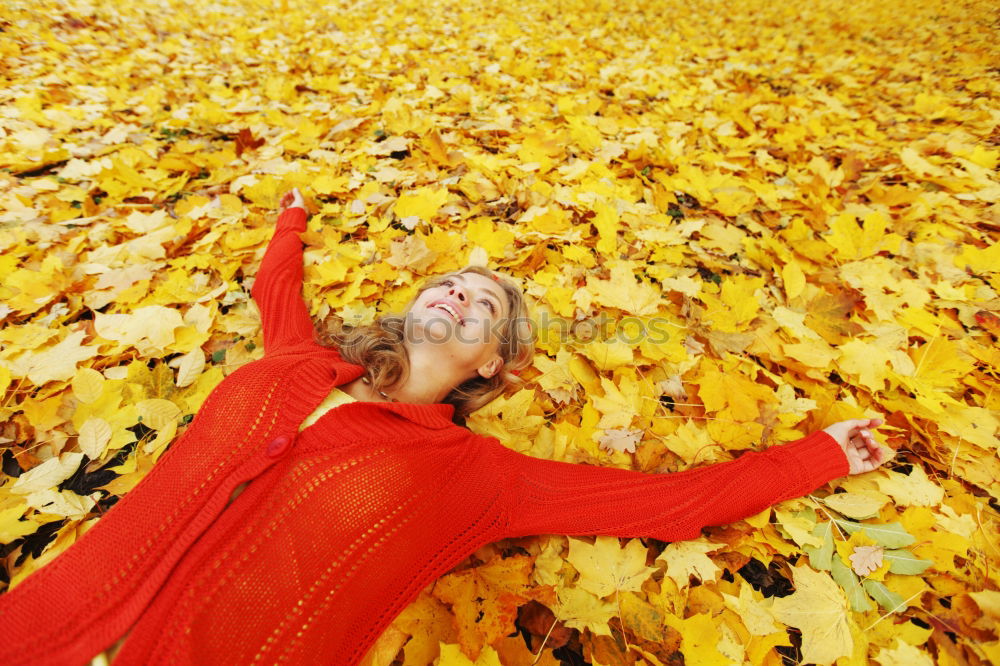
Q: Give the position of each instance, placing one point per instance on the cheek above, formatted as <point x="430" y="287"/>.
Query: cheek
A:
<point x="423" y="300"/>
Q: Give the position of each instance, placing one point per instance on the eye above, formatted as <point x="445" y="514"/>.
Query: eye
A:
<point x="447" y="282"/>
<point x="489" y="304"/>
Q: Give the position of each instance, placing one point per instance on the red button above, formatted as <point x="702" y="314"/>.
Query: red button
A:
<point x="279" y="445"/>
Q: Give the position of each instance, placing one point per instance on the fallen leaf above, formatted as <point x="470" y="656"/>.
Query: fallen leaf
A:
<point x="606" y="568"/>
<point x="866" y="559"/>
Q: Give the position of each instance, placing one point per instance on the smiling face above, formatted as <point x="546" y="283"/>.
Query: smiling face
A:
<point x="461" y="313"/>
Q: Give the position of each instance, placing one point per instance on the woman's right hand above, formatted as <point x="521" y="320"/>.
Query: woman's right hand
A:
<point x="854" y="436"/>
<point x="292" y="199"/>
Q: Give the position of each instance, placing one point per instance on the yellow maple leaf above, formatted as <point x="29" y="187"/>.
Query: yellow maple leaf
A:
<point x="556" y="378"/>
<point x="411" y="252"/>
<point x="622" y="291"/>
<point x="492" y="237"/>
<point x="940" y="362"/>
<point x="29" y="291"/>
<point x="815" y="354"/>
<point x="605" y="567"/>
<point x="240" y="238"/>
<point x="720" y="389"/>
<point x="755" y="613"/>
<point x="973" y="424"/>
<point x="509" y="420"/>
<point x="423" y="203"/>
<point x="620" y="440"/>
<point x="686" y="558"/>
<point x="819" y="610"/>
<point x="868" y="361"/>
<point x="609" y="355"/>
<point x="580" y="609"/>
<point x="852" y="241"/>
<point x="701" y="637"/>
<point x="904" y="654"/>
<point x="428" y="622"/>
<point x="913" y="489"/>
<point x="619" y="405"/>
<point x="485" y="599"/>
<point x="691" y="441"/>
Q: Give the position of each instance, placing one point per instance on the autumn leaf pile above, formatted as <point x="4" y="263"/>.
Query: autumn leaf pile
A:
<point x="738" y="221"/>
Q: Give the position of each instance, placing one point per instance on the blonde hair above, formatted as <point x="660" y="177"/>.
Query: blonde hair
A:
<point x="379" y="347"/>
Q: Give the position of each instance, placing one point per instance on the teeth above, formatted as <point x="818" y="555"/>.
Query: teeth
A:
<point x="447" y="308"/>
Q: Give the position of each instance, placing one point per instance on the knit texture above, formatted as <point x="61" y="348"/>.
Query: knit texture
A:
<point x="335" y="399"/>
<point x="344" y="522"/>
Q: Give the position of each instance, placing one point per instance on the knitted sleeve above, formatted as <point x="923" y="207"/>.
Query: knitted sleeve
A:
<point x="277" y="289"/>
<point x="552" y="497"/>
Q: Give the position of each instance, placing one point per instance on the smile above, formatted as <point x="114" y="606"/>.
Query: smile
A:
<point x="450" y="310"/>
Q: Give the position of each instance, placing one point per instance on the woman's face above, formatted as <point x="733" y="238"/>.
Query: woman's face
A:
<point x="464" y="315"/>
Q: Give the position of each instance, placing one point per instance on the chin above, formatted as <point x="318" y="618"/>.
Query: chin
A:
<point x="436" y="330"/>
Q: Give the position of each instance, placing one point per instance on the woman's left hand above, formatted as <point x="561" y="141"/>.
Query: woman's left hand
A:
<point x="292" y="199"/>
<point x="854" y="436"/>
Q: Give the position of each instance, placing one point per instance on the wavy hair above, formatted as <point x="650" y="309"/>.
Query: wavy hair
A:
<point x="378" y="346"/>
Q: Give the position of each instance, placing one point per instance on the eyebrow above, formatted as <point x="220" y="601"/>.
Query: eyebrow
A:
<point x="488" y="291"/>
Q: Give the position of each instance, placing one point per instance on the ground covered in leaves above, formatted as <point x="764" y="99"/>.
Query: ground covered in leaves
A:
<point x="739" y="221"/>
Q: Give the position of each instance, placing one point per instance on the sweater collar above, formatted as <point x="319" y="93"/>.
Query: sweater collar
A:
<point x="435" y="416"/>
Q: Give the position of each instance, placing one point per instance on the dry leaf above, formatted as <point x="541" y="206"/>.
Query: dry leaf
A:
<point x="620" y="440"/>
<point x="866" y="559"/>
<point x="800" y="244"/>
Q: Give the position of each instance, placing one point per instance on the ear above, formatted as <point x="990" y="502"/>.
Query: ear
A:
<point x="491" y="367"/>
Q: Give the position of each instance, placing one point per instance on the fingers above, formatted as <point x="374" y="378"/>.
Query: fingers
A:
<point x="862" y="428"/>
<point x="292" y="198"/>
<point x="872" y="455"/>
<point x="296" y="198"/>
<point x="855" y="436"/>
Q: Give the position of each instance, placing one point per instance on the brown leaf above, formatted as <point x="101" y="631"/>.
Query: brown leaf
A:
<point x="245" y="141"/>
<point x="538" y="620"/>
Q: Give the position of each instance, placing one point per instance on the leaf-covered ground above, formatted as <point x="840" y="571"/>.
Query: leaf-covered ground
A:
<point x="760" y="218"/>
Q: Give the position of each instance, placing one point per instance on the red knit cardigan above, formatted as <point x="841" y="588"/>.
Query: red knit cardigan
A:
<point x="344" y="523"/>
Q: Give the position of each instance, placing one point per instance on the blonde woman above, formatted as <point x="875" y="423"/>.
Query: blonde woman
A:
<point x="320" y="488"/>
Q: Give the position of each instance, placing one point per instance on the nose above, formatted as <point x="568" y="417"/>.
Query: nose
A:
<point x="458" y="291"/>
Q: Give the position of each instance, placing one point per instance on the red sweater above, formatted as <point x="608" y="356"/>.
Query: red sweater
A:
<point x="343" y="523"/>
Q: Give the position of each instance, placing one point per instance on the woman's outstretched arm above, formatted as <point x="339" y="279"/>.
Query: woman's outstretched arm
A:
<point x="277" y="289"/>
<point x="552" y="497"/>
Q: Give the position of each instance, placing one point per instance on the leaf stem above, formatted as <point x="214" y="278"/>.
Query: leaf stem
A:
<point x="890" y="612"/>
<point x="538" y="655"/>
<point x="832" y="519"/>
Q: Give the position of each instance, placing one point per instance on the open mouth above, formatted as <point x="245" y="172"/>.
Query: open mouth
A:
<point x="449" y="310"/>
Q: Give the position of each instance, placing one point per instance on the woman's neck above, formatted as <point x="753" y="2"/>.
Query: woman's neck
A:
<point x="429" y="380"/>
